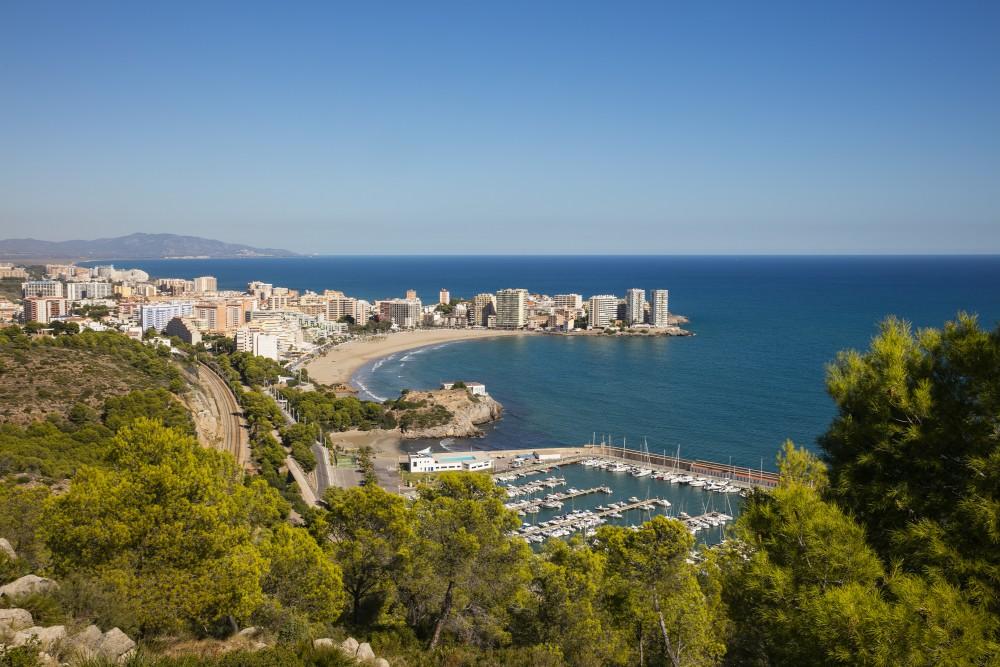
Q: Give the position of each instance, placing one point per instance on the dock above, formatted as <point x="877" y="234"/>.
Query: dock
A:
<point x="526" y="505"/>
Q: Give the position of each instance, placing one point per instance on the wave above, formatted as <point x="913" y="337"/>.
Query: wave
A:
<point x="367" y="392"/>
<point x="447" y="443"/>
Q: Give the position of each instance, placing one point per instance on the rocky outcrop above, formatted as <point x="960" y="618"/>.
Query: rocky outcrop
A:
<point x="12" y="620"/>
<point x="5" y="548"/>
<point x="467" y="412"/>
<point x="28" y="585"/>
<point x="49" y="639"/>
<point x="115" y="645"/>
<point x="362" y="652"/>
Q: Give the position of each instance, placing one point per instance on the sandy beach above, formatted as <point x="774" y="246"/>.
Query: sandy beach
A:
<point x="340" y="362"/>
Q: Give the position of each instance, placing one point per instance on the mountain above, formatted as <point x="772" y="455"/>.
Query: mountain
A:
<point x="133" y="246"/>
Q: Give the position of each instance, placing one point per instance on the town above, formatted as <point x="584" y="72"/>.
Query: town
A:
<point x="289" y="325"/>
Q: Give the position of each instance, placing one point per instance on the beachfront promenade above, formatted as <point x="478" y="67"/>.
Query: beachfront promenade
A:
<point x="739" y="476"/>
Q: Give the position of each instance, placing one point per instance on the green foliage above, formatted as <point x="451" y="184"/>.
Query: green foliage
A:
<point x="19" y="656"/>
<point x="436" y="415"/>
<point x="156" y="404"/>
<point x="371" y="531"/>
<point x="338" y="413"/>
<point x="301" y="576"/>
<point x="914" y="452"/>
<point x="167" y="522"/>
<point x="254" y="370"/>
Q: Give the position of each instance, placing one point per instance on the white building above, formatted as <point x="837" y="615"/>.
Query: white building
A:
<point x="404" y="313"/>
<point x="476" y="388"/>
<point x="659" y="307"/>
<point x="158" y="315"/>
<point x="265" y="345"/>
<point x="635" y="299"/>
<point x="43" y="288"/>
<point x="423" y="462"/>
<point x="603" y="310"/>
<point x="568" y="301"/>
<point x="206" y="284"/>
<point x="90" y="290"/>
<point x="512" y="308"/>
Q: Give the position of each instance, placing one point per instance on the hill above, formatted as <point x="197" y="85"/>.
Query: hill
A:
<point x="49" y="376"/>
<point x="133" y="246"/>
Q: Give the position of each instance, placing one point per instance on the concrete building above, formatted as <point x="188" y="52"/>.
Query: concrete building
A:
<point x="659" y="307"/>
<point x="512" y="308"/>
<point x="89" y="290"/>
<point x="184" y="328"/>
<point x="265" y="345"/>
<point x="476" y="388"/>
<point x="635" y="301"/>
<point x="220" y="316"/>
<point x="157" y="315"/>
<point x="206" y="284"/>
<point x="483" y="306"/>
<point x="424" y="462"/>
<point x="404" y="313"/>
<point x="444" y="296"/>
<point x="44" y="309"/>
<point x="411" y="294"/>
<point x="8" y="270"/>
<point x="568" y="301"/>
<point x="603" y="310"/>
<point x="42" y="288"/>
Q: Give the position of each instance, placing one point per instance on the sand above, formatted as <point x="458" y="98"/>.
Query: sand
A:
<point x="342" y="361"/>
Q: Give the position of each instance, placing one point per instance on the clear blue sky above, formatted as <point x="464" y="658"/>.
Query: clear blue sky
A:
<point x="662" y="127"/>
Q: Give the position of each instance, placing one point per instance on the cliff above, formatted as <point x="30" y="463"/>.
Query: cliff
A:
<point x="443" y="413"/>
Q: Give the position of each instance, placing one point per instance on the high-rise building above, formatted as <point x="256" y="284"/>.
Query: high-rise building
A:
<point x="635" y="300"/>
<point x="43" y="288"/>
<point x="483" y="306"/>
<point x="603" y="310"/>
<point x="206" y="284"/>
<point x="157" y="315"/>
<point x="444" y="296"/>
<point x="512" y="308"/>
<point x="411" y="294"/>
<point x="404" y="313"/>
<point x="44" y="309"/>
<point x="568" y="301"/>
<point x="91" y="290"/>
<point x="659" y="307"/>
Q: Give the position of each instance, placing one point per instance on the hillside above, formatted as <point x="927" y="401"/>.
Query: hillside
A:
<point x="133" y="246"/>
<point x="49" y="376"/>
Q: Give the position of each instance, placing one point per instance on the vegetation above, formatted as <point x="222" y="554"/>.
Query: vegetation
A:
<point x="884" y="553"/>
<point x="45" y="375"/>
<point x="335" y="413"/>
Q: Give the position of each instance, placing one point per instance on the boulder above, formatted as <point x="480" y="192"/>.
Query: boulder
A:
<point x="47" y="638"/>
<point x="12" y="620"/>
<point x="322" y="642"/>
<point x="84" y="643"/>
<point x="248" y="632"/>
<point x="27" y="585"/>
<point x="47" y="660"/>
<point x="365" y="652"/>
<point x="381" y="662"/>
<point x="7" y="549"/>
<point x="350" y="646"/>
<point x="115" y="645"/>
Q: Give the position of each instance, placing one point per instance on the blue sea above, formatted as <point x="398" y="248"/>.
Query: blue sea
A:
<point x="751" y="377"/>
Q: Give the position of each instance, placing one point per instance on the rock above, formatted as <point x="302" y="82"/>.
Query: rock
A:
<point x="46" y="660"/>
<point x="248" y="632"/>
<point x="84" y="643"/>
<point x="365" y="652"/>
<point x="12" y="620"/>
<point x="381" y="662"/>
<point x="7" y="549"/>
<point x="115" y="645"/>
<point x="467" y="412"/>
<point x="350" y="646"/>
<point x="47" y="638"/>
<point x="322" y="642"/>
<point x="258" y="646"/>
<point x="27" y="585"/>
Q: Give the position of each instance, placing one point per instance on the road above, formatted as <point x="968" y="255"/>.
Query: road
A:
<point x="235" y="439"/>
<point x="323" y="477"/>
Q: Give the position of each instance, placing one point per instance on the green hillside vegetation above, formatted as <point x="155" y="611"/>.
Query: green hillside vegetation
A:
<point x="885" y="552"/>
<point x="44" y="375"/>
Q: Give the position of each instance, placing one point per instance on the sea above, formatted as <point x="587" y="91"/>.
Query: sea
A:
<point x="753" y="375"/>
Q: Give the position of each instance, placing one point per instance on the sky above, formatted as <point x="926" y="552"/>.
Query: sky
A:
<point x="509" y="127"/>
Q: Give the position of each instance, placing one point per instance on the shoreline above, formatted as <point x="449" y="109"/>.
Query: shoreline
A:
<point x="339" y="364"/>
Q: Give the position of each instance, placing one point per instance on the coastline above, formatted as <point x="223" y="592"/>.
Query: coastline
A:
<point x="339" y="364"/>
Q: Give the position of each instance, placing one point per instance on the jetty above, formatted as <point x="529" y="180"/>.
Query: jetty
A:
<point x="555" y="498"/>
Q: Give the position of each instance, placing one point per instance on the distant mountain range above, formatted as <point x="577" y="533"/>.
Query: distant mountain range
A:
<point x="133" y="246"/>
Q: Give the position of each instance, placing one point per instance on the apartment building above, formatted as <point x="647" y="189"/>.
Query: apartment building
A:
<point x="603" y="310"/>
<point x="483" y="307"/>
<point x="206" y="284"/>
<point x="88" y="290"/>
<point x="512" y="308"/>
<point x="44" y="309"/>
<point x="404" y="313"/>
<point x="659" y="307"/>
<point x="635" y="302"/>
<point x="157" y="315"/>
<point x="43" y="288"/>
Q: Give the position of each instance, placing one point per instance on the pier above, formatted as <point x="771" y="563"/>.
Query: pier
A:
<point x="562" y="523"/>
<point x="741" y="476"/>
<point x="526" y="505"/>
